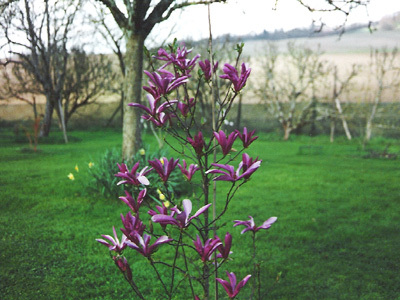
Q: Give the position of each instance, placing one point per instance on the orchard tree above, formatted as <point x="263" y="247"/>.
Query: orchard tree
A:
<point x="293" y="84"/>
<point x="37" y="34"/>
<point x="384" y="77"/>
<point x="88" y="77"/>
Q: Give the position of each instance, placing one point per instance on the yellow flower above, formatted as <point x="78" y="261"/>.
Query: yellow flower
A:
<point x="76" y="168"/>
<point x="162" y="197"/>
<point x="159" y="192"/>
<point x="167" y="204"/>
<point x="162" y="161"/>
<point x="142" y="152"/>
<point x="91" y="165"/>
<point x="71" y="176"/>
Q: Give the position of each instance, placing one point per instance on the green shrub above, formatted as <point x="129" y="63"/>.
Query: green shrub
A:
<point x="104" y="181"/>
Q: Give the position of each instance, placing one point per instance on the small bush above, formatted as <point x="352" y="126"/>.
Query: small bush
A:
<point x="104" y="181"/>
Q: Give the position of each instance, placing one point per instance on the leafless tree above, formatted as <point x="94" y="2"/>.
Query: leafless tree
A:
<point x="384" y="71"/>
<point x="17" y="84"/>
<point x="87" y="78"/>
<point x="342" y="7"/>
<point x="37" y="34"/>
<point x="292" y="86"/>
<point x="337" y="113"/>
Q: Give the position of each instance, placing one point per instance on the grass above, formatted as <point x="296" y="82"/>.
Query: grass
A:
<point x="337" y="235"/>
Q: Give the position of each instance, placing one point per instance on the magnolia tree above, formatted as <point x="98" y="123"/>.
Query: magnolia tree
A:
<point x="200" y="248"/>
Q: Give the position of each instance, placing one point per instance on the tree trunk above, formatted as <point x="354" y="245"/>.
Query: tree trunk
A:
<point x="344" y="122"/>
<point x="368" y="127"/>
<point x="332" y="135"/>
<point x="287" y="129"/>
<point x="62" y="118"/>
<point x="313" y="106"/>
<point x="131" y="133"/>
<point x="48" y="116"/>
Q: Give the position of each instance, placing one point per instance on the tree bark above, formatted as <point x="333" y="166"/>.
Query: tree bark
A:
<point x="344" y="122"/>
<point x="47" y="119"/>
<point x="131" y="136"/>
<point x="287" y="129"/>
<point x="368" y="127"/>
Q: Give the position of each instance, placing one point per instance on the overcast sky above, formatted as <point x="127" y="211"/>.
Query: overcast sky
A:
<point x="239" y="17"/>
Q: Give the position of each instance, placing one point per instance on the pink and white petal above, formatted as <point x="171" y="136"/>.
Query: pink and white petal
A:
<point x="267" y="224"/>
<point x="200" y="211"/>
<point x="187" y="206"/>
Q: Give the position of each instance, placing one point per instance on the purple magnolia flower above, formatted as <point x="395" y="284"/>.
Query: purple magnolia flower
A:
<point x="156" y="114"/>
<point x="251" y="226"/>
<point x="246" y="137"/>
<point x="179" y="59"/>
<point x="188" y="173"/>
<point x="123" y="265"/>
<point x="226" y="143"/>
<point x="224" y="251"/>
<point x="164" y="167"/>
<point x="207" y="69"/>
<point x="132" y="177"/>
<point x="162" y="83"/>
<point x="142" y="245"/>
<point x="208" y="249"/>
<point x="247" y="166"/>
<point x="230" y="287"/>
<point x="232" y="74"/>
<point x="115" y="244"/>
<point x="197" y="143"/>
<point x="182" y="218"/>
<point x="163" y="210"/>
<point x="131" y="202"/>
<point x="184" y="108"/>
<point x="132" y="226"/>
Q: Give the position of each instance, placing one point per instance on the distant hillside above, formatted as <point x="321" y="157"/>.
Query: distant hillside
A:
<point x="311" y="32"/>
<point x="357" y="41"/>
<point x="357" y="38"/>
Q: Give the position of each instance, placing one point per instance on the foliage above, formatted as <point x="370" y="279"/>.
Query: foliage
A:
<point x="102" y="177"/>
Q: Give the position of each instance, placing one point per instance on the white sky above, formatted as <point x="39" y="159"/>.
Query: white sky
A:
<point x="239" y="17"/>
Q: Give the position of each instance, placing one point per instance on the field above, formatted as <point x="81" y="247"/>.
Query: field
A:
<point x="337" y="235"/>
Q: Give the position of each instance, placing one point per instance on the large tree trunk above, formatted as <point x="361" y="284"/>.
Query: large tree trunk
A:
<point x="62" y="118"/>
<point x="48" y="116"/>
<point x="131" y="133"/>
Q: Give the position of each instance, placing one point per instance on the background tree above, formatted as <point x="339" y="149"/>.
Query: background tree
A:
<point x="20" y="85"/>
<point x="37" y="34"/>
<point x="384" y="76"/>
<point x="87" y="78"/>
<point x="292" y="85"/>
<point x="337" y="113"/>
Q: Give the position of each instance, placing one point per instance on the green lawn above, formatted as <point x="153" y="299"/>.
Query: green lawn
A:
<point x="337" y="234"/>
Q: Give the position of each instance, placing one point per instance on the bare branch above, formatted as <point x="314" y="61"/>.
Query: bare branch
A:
<point x="189" y="3"/>
<point x="118" y="15"/>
